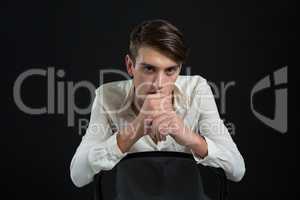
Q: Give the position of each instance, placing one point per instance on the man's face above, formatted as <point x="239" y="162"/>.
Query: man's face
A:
<point x="153" y="72"/>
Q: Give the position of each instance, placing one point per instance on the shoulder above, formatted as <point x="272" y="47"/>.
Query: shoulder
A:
<point x="193" y="79"/>
<point x="189" y="84"/>
<point x="113" y="92"/>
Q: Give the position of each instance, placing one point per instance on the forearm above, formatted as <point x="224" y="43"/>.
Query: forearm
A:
<point x="221" y="152"/>
<point x="125" y="140"/>
<point x="198" y="145"/>
<point x="128" y="136"/>
<point x="94" y="155"/>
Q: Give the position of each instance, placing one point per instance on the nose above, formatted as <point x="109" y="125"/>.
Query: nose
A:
<point x="158" y="81"/>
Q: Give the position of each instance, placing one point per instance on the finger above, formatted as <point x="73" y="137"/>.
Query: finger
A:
<point x="158" y="118"/>
<point x="155" y="124"/>
<point x="164" y="127"/>
<point x="161" y="114"/>
<point x="166" y="104"/>
<point x="152" y="136"/>
<point x="157" y="136"/>
<point x="162" y="130"/>
<point x="147" y="126"/>
<point x="162" y="137"/>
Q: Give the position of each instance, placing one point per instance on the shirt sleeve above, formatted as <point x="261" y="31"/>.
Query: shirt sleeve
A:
<point x="98" y="149"/>
<point x="222" y="151"/>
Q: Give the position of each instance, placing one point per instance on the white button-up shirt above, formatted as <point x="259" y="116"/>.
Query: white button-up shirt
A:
<point x="112" y="111"/>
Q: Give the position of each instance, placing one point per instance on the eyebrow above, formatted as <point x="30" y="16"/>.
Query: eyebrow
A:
<point x="149" y="65"/>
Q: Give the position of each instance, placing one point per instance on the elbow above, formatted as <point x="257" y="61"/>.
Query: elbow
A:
<point x="238" y="172"/>
<point x="80" y="172"/>
<point x="80" y="176"/>
<point x="77" y="180"/>
<point x="75" y="174"/>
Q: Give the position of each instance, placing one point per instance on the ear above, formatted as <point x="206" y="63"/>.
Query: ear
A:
<point x="180" y="67"/>
<point x="129" y="65"/>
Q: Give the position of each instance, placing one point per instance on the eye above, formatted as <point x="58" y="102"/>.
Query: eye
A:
<point x="149" y="69"/>
<point x="171" y="70"/>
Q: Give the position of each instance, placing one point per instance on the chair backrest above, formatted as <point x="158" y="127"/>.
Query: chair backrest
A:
<point x="158" y="175"/>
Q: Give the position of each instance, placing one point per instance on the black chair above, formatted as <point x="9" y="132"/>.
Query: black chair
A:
<point x="158" y="175"/>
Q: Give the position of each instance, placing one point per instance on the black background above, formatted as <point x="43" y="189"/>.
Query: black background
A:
<point x="230" y="41"/>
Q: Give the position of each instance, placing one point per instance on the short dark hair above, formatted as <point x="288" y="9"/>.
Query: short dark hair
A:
<point x="160" y="35"/>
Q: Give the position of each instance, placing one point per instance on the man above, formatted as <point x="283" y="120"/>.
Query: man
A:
<point x="157" y="110"/>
